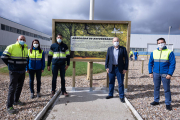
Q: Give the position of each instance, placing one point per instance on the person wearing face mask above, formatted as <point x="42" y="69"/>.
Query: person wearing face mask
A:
<point x="36" y="65"/>
<point x="116" y="65"/>
<point x="60" y="57"/>
<point x="161" y="67"/>
<point x="15" y="57"/>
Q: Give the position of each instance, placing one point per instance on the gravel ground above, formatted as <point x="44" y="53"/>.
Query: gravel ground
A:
<point x="140" y="93"/>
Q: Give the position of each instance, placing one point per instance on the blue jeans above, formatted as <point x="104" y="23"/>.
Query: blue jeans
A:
<point x="157" y="78"/>
<point x="120" y="78"/>
<point x="55" y="69"/>
<point x="38" y="78"/>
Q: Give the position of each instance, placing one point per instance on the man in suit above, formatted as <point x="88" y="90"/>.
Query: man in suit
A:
<point x="116" y="65"/>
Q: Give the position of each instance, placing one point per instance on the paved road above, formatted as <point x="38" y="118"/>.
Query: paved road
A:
<point x="85" y="105"/>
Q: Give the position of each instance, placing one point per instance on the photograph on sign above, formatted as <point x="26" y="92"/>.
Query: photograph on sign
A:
<point x="91" y="40"/>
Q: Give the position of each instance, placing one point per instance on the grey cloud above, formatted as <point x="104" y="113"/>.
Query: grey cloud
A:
<point x="146" y="16"/>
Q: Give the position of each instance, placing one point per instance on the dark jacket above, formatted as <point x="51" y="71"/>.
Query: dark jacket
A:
<point x="58" y="54"/>
<point x="122" y="59"/>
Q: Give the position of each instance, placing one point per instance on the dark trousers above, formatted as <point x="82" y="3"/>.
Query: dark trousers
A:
<point x="55" y="69"/>
<point x="120" y="78"/>
<point x="157" y="78"/>
<point x="15" y="87"/>
<point x="38" y="78"/>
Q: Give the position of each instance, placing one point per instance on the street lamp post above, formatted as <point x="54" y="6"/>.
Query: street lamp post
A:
<point x="168" y="35"/>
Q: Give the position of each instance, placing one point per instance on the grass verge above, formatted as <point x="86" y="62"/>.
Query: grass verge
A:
<point x="81" y="69"/>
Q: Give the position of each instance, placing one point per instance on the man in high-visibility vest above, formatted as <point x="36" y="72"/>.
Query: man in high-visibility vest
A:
<point x="131" y="55"/>
<point x="161" y="67"/>
<point x="15" y="57"/>
<point x="60" y="57"/>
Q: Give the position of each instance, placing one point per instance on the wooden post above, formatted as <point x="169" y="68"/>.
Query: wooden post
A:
<point x="107" y="81"/>
<point x="88" y="70"/>
<point x="133" y="62"/>
<point x="91" y="75"/>
<point x="142" y="66"/>
<point x="127" y="47"/>
<point x="147" y="56"/>
<point x="53" y="31"/>
<point x="74" y="74"/>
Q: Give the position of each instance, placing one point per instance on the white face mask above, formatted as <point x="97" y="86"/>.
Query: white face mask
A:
<point x="59" y="40"/>
<point x="161" y="45"/>
<point x="116" y="44"/>
<point x="36" y="45"/>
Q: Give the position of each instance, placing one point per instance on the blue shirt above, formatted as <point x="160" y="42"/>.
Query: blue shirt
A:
<point x="115" y="56"/>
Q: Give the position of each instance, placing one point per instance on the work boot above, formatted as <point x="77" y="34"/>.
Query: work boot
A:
<point x="32" y="95"/>
<point x="19" y="103"/>
<point x="11" y="110"/>
<point x="65" y="94"/>
<point x="38" y="95"/>
<point x="168" y="107"/>
<point x="109" y="97"/>
<point x="154" y="103"/>
<point x="122" y="100"/>
<point x="52" y="94"/>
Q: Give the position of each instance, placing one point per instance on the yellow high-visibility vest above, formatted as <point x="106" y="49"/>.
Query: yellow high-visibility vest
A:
<point x="35" y="55"/>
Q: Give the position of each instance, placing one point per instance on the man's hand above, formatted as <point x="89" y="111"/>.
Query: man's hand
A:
<point x="168" y="77"/>
<point x="151" y="75"/>
<point x="42" y="70"/>
<point x="66" y="67"/>
<point x="107" y="70"/>
<point x="124" y="71"/>
<point x="27" y="71"/>
<point x="48" y="68"/>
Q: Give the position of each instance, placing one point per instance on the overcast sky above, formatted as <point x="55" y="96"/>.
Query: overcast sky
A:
<point x="146" y="16"/>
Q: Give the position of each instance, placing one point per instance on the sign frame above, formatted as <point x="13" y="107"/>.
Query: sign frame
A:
<point x="54" y="21"/>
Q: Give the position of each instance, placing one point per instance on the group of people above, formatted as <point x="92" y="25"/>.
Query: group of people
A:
<point x="161" y="67"/>
<point x="20" y="60"/>
<point x="135" y="55"/>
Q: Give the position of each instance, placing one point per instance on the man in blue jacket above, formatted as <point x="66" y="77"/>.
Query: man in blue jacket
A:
<point x="161" y="67"/>
<point x="135" y="55"/>
<point x="116" y="65"/>
<point x="60" y="57"/>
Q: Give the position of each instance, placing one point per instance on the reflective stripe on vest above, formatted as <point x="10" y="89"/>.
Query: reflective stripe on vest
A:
<point x="59" y="55"/>
<point x="161" y="56"/>
<point x="16" y="54"/>
<point x="35" y="55"/>
<point x="67" y="52"/>
<point x="50" y="53"/>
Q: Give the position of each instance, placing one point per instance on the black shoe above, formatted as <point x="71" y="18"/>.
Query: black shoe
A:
<point x="19" y="103"/>
<point x="65" y="94"/>
<point x="122" y="100"/>
<point x="154" y="103"/>
<point x="109" y="97"/>
<point x="32" y="95"/>
<point x="168" y="107"/>
<point x="38" y="95"/>
<point x="52" y="94"/>
<point x="11" y="110"/>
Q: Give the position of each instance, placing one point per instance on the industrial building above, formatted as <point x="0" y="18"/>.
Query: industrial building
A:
<point x="9" y="32"/>
<point x="146" y="43"/>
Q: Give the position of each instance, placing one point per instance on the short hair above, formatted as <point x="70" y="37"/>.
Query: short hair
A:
<point x="161" y="39"/>
<point x="59" y="34"/>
